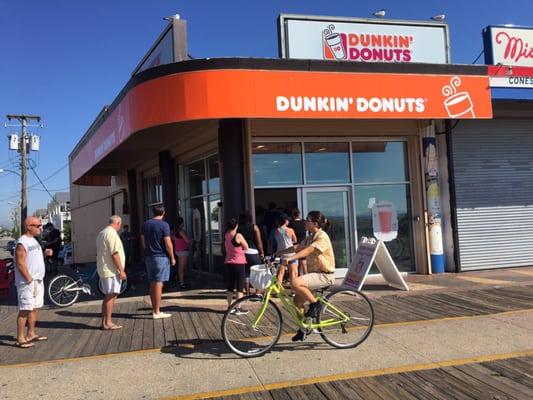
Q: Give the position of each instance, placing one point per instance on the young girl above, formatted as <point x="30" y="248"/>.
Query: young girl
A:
<point x="181" y="249"/>
<point x="235" y="262"/>
<point x="285" y="239"/>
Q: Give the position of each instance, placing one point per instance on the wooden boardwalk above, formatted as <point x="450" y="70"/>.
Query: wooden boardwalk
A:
<point x="74" y="332"/>
<point x="502" y="379"/>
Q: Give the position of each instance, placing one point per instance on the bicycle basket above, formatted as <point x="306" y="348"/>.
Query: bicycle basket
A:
<point x="260" y="276"/>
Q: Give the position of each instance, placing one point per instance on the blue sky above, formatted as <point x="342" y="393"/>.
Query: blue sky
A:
<point x="64" y="60"/>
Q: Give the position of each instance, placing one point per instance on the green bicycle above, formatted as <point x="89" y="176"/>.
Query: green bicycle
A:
<point x="252" y="325"/>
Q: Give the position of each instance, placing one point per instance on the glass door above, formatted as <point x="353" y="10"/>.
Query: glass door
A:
<point x="334" y="204"/>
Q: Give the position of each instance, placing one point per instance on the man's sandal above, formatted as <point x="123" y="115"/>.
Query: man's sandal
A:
<point x="37" y="339"/>
<point x="24" y="345"/>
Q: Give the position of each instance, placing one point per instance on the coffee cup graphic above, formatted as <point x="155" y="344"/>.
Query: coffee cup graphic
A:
<point x="334" y="42"/>
<point x="385" y="220"/>
<point x="457" y="104"/>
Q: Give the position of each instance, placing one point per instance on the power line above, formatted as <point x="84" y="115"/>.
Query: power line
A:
<point x="477" y="58"/>
<point x="37" y="184"/>
<point x="43" y="185"/>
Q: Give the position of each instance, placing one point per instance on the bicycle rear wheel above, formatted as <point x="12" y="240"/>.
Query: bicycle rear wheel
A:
<point x="63" y="290"/>
<point x="356" y="306"/>
<point x="239" y="333"/>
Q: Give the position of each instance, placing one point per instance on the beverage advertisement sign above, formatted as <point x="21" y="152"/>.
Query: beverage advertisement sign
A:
<point x="508" y="45"/>
<point x="359" y="40"/>
<point x="370" y="251"/>
<point x="384" y="221"/>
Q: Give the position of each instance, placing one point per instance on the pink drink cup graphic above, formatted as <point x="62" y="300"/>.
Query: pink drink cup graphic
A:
<point x="334" y="42"/>
<point x="459" y="104"/>
<point x="385" y="220"/>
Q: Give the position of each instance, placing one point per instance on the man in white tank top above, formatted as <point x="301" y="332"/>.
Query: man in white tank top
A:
<point x="29" y="275"/>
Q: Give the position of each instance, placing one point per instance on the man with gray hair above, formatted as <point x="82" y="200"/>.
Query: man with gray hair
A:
<point x="110" y="262"/>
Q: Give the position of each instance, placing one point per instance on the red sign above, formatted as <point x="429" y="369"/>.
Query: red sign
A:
<point x="215" y="94"/>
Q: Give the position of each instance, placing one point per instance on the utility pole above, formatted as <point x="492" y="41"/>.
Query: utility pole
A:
<point x="23" y="150"/>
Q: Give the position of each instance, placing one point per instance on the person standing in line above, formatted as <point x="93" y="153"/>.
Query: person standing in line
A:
<point x="235" y="262"/>
<point x="255" y="252"/>
<point x="285" y="239"/>
<point x="110" y="264"/>
<point x="53" y="242"/>
<point x="158" y="257"/>
<point x="298" y="225"/>
<point x="29" y="274"/>
<point x="127" y="242"/>
<point x="181" y="249"/>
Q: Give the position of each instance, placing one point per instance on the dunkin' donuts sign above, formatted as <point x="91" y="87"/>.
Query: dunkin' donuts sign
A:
<point x="335" y="39"/>
<point x="508" y="46"/>
<point x="355" y="46"/>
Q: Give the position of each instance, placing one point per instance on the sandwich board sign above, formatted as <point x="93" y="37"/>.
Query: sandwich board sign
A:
<point x="371" y="250"/>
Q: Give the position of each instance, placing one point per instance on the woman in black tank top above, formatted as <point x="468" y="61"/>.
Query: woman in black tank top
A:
<point x="252" y="235"/>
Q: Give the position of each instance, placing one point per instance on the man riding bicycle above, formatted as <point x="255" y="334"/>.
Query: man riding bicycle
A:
<point x="318" y="251"/>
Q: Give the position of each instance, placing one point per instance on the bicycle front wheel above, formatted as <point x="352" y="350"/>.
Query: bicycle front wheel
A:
<point x="355" y="309"/>
<point x="250" y="331"/>
<point x="63" y="290"/>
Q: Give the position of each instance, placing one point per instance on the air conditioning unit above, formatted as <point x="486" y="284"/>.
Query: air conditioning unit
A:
<point x="13" y="142"/>
<point x="35" y="142"/>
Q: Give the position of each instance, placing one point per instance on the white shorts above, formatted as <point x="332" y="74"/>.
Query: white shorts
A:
<point x="30" y="296"/>
<point x="110" y="285"/>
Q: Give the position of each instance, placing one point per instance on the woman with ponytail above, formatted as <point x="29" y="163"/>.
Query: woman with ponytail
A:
<point x="318" y="251"/>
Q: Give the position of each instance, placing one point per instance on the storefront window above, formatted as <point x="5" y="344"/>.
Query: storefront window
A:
<point x="196" y="178"/>
<point x="197" y="221"/>
<point x="277" y="164"/>
<point x="379" y="162"/>
<point x="326" y="163"/>
<point x="203" y="213"/>
<point x="365" y="196"/>
<point x="153" y="194"/>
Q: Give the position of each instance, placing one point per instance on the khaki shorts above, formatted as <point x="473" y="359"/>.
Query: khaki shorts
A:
<point x="317" y="280"/>
<point x="30" y="296"/>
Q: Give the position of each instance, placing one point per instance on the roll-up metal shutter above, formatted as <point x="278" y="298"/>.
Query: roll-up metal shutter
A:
<point x="493" y="171"/>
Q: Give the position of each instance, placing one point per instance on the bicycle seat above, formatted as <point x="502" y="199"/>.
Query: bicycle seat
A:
<point x="323" y="289"/>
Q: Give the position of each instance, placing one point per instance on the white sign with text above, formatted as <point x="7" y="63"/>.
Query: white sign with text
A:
<point x="350" y="39"/>
<point x="368" y="252"/>
<point x="508" y="46"/>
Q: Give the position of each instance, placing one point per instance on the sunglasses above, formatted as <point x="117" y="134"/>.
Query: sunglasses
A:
<point x="36" y="225"/>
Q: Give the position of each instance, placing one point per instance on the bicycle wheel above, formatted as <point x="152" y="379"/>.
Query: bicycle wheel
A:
<point x="63" y="290"/>
<point x="238" y="331"/>
<point x="354" y="331"/>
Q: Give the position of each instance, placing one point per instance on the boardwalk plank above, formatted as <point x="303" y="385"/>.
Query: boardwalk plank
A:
<point x="138" y="325"/>
<point x="512" y="371"/>
<point x="148" y="333"/>
<point x="459" y="386"/>
<point x="126" y="336"/>
<point x="500" y="385"/>
<point x="394" y="389"/>
<point x="420" y="388"/>
<point x="168" y="331"/>
<point x="159" y="334"/>
<point x="439" y="307"/>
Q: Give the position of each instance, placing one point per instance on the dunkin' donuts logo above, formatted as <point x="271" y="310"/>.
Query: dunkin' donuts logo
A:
<point x="355" y="46"/>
